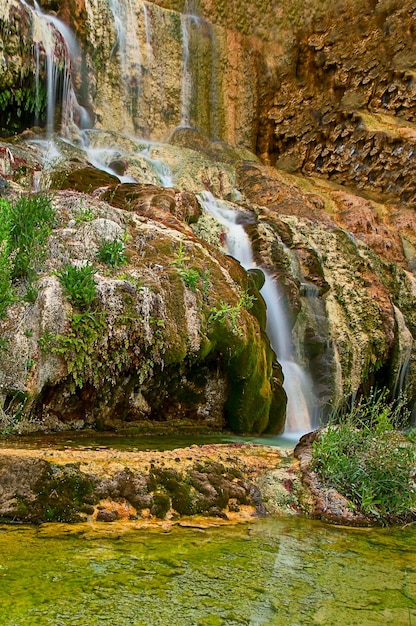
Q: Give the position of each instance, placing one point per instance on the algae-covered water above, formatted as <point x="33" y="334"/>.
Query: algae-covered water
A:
<point x="281" y="571"/>
<point x="95" y="440"/>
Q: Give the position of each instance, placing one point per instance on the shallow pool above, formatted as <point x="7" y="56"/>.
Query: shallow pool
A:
<point x="281" y="571"/>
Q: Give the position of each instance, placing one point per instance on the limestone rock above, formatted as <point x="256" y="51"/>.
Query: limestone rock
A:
<point x="147" y="349"/>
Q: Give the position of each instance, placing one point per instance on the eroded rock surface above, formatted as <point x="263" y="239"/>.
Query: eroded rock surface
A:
<point x="221" y="482"/>
<point x="147" y="348"/>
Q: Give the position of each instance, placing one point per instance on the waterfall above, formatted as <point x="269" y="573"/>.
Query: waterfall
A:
<point x="148" y="33"/>
<point x="128" y="44"/>
<point x="301" y="400"/>
<point x="405" y="352"/>
<point x="54" y="41"/>
<point x="187" y="84"/>
<point x="200" y="106"/>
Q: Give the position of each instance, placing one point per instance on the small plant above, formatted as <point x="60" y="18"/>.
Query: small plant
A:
<point x="206" y="282"/>
<point x="6" y="290"/>
<point x="79" y="345"/>
<point x="112" y="253"/>
<point x="78" y="284"/>
<point x="31" y="221"/>
<point x="12" y="412"/>
<point x="28" y="332"/>
<point x="181" y="258"/>
<point x="31" y="293"/>
<point x="225" y="311"/>
<point x="83" y="214"/>
<point x="46" y="341"/>
<point x="3" y="344"/>
<point x="367" y="460"/>
<point x="190" y="277"/>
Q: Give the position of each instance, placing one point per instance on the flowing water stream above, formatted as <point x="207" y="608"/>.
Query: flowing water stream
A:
<point x="301" y="400"/>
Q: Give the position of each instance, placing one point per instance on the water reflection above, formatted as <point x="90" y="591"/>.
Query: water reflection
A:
<point x="273" y="572"/>
<point x="95" y="440"/>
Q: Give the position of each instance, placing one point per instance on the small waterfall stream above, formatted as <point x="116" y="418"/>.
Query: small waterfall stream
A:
<point x="187" y="23"/>
<point x="301" y="400"/>
<point x="128" y="47"/>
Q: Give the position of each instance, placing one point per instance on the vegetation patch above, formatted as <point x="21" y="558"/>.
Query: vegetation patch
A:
<point x="79" y="346"/>
<point x="368" y="460"/>
<point x="190" y="275"/>
<point x="78" y="284"/>
<point x="112" y="253"/>
<point x="226" y="312"/>
<point x="25" y="226"/>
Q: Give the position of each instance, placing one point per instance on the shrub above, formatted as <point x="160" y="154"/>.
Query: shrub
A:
<point x="367" y="460"/>
<point x="6" y="291"/>
<point x="31" y="221"/>
<point x="225" y="311"/>
<point x="190" y="277"/>
<point x="78" y="284"/>
<point x="25" y="227"/>
<point x="112" y="253"/>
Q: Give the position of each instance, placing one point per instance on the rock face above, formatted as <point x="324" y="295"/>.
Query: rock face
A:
<point x="230" y="483"/>
<point x="160" y="105"/>
<point x="149" y="346"/>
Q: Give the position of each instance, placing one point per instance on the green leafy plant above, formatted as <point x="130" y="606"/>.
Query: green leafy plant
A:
<point x="112" y="253"/>
<point x="226" y="312"/>
<point x="83" y="214"/>
<point x="12" y="413"/>
<point x="78" y="284"/>
<point x="190" y="277"/>
<point x="31" y="293"/>
<point x="78" y="346"/>
<point x="3" y="344"/>
<point x="366" y="459"/>
<point x="6" y="290"/>
<point x="181" y="257"/>
<point x="46" y="341"/>
<point x="31" y="221"/>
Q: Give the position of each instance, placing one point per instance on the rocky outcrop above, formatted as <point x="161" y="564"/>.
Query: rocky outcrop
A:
<point x="345" y="108"/>
<point x="165" y="336"/>
<point x="167" y="352"/>
<point x="326" y="503"/>
<point x="217" y="482"/>
<point x="325" y="96"/>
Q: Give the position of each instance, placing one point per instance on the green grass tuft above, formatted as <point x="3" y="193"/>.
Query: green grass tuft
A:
<point x="368" y="460"/>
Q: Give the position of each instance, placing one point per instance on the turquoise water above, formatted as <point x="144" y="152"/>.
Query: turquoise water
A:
<point x="271" y="572"/>
<point x="137" y="442"/>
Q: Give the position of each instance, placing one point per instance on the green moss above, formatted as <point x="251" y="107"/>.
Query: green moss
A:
<point x="161" y="504"/>
<point x="61" y="493"/>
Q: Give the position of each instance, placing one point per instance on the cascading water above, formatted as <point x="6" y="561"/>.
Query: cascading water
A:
<point x="301" y="400"/>
<point x="200" y="107"/>
<point x="55" y="44"/>
<point x="187" y="21"/>
<point x="128" y="46"/>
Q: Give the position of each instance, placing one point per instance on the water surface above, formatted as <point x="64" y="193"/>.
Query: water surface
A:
<point x="272" y="572"/>
<point x="96" y="440"/>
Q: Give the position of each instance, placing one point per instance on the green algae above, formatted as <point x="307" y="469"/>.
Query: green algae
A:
<point x="272" y="572"/>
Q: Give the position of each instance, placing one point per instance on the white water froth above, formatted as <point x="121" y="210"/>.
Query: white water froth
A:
<point x="296" y="384"/>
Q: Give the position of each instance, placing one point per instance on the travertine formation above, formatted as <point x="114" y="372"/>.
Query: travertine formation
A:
<point x="300" y="113"/>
